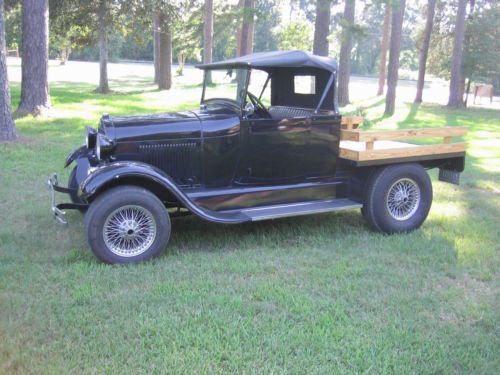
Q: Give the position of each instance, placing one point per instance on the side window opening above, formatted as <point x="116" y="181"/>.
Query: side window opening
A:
<point x="257" y="82"/>
<point x="305" y="85"/>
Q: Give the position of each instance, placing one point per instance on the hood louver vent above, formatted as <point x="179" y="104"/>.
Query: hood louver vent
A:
<point x="181" y="161"/>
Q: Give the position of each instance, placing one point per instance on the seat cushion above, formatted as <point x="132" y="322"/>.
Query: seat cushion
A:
<point x="280" y="112"/>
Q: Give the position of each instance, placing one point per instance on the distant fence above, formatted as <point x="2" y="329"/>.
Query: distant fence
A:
<point x="12" y="52"/>
<point x="483" y="91"/>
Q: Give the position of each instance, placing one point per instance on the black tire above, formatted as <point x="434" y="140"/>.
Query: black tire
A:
<point x="114" y="201"/>
<point x="384" y="181"/>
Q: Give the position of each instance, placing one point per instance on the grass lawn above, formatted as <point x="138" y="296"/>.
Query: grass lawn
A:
<point x="308" y="295"/>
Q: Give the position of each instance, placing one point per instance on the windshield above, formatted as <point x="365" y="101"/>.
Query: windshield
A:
<point x="225" y="84"/>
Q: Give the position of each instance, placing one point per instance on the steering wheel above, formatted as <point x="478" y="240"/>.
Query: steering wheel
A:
<point x="261" y="108"/>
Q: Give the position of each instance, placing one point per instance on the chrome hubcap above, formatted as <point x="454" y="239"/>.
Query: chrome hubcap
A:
<point x="129" y="230"/>
<point x="403" y="199"/>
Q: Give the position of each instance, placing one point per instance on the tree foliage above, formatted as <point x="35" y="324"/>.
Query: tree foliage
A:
<point x="481" y="61"/>
<point x="188" y="33"/>
<point x="482" y="41"/>
<point x="268" y="19"/>
<point x="296" y="35"/>
<point x="74" y="24"/>
<point x="279" y="24"/>
<point x="12" y="18"/>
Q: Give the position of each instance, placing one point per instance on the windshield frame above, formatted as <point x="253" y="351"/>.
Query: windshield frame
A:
<point x="240" y="103"/>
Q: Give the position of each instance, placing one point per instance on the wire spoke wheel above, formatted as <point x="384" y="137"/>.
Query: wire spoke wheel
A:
<point x="403" y="199"/>
<point x="129" y="230"/>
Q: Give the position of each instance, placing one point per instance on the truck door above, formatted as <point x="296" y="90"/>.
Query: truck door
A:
<point x="322" y="152"/>
<point x="273" y="151"/>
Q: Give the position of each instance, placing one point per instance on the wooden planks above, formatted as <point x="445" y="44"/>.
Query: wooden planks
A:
<point x="360" y="145"/>
<point x="394" y="135"/>
<point x="391" y="150"/>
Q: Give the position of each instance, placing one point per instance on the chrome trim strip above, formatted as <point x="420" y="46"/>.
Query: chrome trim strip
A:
<point x="331" y="205"/>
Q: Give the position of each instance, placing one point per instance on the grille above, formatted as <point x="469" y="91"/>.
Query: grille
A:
<point x="179" y="160"/>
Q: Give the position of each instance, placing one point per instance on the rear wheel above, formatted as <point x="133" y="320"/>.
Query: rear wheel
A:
<point x="127" y="224"/>
<point x="398" y="198"/>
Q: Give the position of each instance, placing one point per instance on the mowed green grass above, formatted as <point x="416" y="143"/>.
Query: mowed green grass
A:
<point x="308" y="295"/>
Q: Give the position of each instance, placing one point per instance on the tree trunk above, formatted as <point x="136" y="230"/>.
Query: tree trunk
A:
<point x="455" y="100"/>
<point x="467" y="92"/>
<point x="322" y="27"/>
<point x="345" y="53"/>
<point x="422" y="60"/>
<point x="181" y="60"/>
<point x="251" y="31"/>
<point x="247" y="27"/>
<point x="64" y="55"/>
<point x="165" y="78"/>
<point x="383" y="49"/>
<point x="103" y="48"/>
<point x="156" y="47"/>
<point x="394" y="51"/>
<point x="461" y="88"/>
<point x="35" y="97"/>
<point x="241" y="5"/>
<point x="208" y="33"/>
<point x="7" y="125"/>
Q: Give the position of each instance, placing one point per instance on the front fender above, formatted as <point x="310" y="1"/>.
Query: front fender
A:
<point x="102" y="176"/>
<point x="78" y="153"/>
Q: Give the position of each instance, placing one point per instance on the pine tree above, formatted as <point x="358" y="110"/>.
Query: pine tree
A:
<point x="394" y="51"/>
<point x="35" y="97"/>
<point x="7" y="125"/>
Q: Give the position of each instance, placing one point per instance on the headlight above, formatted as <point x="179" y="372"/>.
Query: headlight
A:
<point x="90" y="137"/>
<point x="103" y="146"/>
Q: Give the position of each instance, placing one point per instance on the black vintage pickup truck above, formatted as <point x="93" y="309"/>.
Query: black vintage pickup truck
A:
<point x="280" y="150"/>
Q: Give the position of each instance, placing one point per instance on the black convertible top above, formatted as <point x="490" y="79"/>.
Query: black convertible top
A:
<point x="276" y="59"/>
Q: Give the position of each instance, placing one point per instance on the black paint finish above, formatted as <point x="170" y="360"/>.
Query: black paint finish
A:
<point x="219" y="161"/>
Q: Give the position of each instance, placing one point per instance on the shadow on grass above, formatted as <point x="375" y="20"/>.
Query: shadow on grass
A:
<point x="432" y="115"/>
<point x="344" y="235"/>
<point x="189" y="86"/>
<point x="370" y="123"/>
<point x="338" y="231"/>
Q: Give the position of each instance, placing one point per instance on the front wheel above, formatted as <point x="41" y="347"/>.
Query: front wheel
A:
<point x="397" y="198"/>
<point x="127" y="224"/>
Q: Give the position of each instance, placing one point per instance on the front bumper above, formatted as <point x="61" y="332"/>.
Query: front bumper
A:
<point x="57" y="209"/>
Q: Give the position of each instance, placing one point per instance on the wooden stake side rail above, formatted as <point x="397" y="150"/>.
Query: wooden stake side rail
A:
<point x="351" y="122"/>
<point x="359" y="145"/>
<point x="393" y="135"/>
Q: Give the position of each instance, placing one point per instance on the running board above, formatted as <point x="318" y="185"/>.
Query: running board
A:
<point x="296" y="209"/>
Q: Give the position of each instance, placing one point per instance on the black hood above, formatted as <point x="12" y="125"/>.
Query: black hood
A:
<point x="171" y="125"/>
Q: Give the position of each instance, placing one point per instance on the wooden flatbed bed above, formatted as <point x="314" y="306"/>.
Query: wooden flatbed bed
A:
<point x="374" y="147"/>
